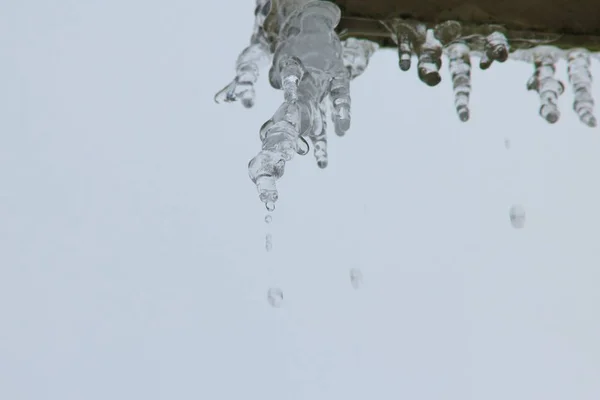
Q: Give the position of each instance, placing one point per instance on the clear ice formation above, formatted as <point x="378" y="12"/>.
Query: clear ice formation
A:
<point x="314" y="68"/>
<point x="543" y="82"/>
<point x="356" y="55"/>
<point x="308" y="65"/>
<point x="249" y="61"/>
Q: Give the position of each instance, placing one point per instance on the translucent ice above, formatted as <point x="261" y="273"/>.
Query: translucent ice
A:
<point x="308" y="65"/>
<point x="517" y="216"/>
<point x="580" y="78"/>
<point x="460" y="71"/>
<point x="356" y="55"/>
<point x="268" y="242"/>
<point x="250" y="60"/>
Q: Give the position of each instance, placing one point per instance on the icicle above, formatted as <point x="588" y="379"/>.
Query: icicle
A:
<point x="291" y="74"/>
<point x="430" y="60"/>
<point x="340" y="100"/>
<point x="249" y="61"/>
<point x="495" y="48"/>
<point x="407" y="34"/>
<point x="405" y="50"/>
<point x="580" y="78"/>
<point x="548" y="88"/>
<point x="308" y="66"/>
<point x="319" y="136"/>
<point x="460" y="71"/>
<point x="356" y="55"/>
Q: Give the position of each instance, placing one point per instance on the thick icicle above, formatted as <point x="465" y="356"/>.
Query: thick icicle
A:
<point x="580" y="78"/>
<point x="356" y="55"/>
<point x="548" y="88"/>
<point x="430" y="59"/>
<point x="460" y="71"/>
<point x="308" y="66"/>
<point x="249" y="61"/>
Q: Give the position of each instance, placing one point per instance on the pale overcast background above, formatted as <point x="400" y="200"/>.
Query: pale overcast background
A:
<point x="132" y="260"/>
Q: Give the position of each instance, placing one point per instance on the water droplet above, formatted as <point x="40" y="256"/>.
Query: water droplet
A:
<point x="270" y="206"/>
<point x="506" y="144"/>
<point x="275" y="297"/>
<point x="268" y="242"/>
<point x="268" y="219"/>
<point x="517" y="216"/>
<point x="356" y="278"/>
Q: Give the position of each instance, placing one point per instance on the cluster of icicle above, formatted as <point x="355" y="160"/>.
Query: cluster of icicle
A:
<point x="314" y="69"/>
<point x="489" y="42"/>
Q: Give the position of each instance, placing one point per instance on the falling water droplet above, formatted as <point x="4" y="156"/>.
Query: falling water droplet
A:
<point x="355" y="278"/>
<point x="269" y="242"/>
<point x="270" y="206"/>
<point x="517" y="216"/>
<point x="506" y="144"/>
<point x="275" y="297"/>
<point x="268" y="218"/>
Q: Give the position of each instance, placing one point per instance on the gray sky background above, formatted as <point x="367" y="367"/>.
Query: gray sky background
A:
<point x="132" y="261"/>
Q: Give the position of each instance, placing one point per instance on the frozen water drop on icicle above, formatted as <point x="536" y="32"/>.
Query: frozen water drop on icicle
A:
<point x="517" y="216"/>
<point x="268" y="219"/>
<point x="580" y="78"/>
<point x="275" y="297"/>
<point x="460" y="71"/>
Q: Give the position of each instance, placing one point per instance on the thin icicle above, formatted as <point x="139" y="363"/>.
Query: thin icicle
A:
<point x="580" y="78"/>
<point x="356" y="55"/>
<point x="340" y="100"/>
<point x="249" y="62"/>
<point x="405" y="50"/>
<point x="460" y="71"/>
<point x="408" y="35"/>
